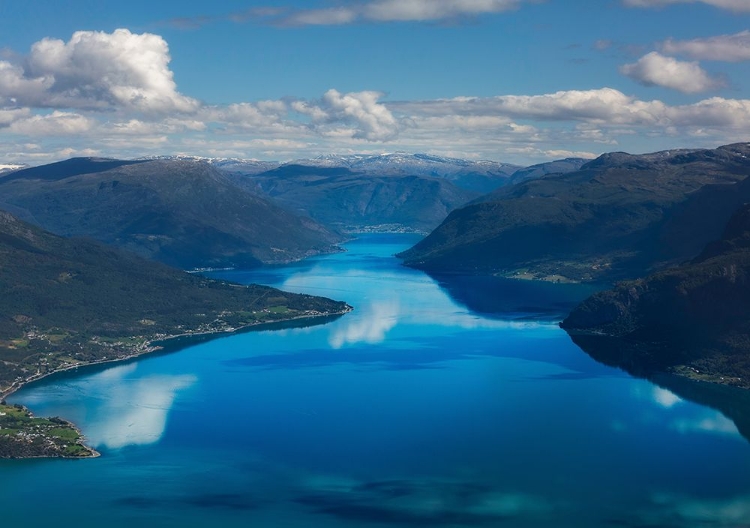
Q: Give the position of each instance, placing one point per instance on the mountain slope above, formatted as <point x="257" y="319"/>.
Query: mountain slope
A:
<point x="606" y="221"/>
<point x="478" y="176"/>
<point x="68" y="301"/>
<point x="348" y="200"/>
<point x="183" y="213"/>
<point x="693" y="319"/>
<point x="561" y="166"/>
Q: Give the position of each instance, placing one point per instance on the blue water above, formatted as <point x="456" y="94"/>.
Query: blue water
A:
<point x="423" y="407"/>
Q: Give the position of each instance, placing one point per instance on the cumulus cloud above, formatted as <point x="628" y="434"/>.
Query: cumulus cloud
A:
<point x="55" y="124"/>
<point x="654" y="69"/>
<point x="373" y="120"/>
<point x="727" y="48"/>
<point x="732" y="5"/>
<point x="606" y="107"/>
<point x="9" y="116"/>
<point x="96" y="70"/>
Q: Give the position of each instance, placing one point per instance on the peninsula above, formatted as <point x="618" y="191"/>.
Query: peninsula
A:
<point x="72" y="302"/>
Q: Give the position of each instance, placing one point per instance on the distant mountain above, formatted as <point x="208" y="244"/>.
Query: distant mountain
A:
<point x="184" y="213"/>
<point x="693" y="319"/>
<point x="69" y="301"/>
<point x="244" y="166"/>
<point x="346" y="200"/>
<point x="551" y="167"/>
<point x="618" y="216"/>
<point x="478" y="176"/>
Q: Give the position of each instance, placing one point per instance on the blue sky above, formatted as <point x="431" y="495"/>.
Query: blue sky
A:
<point x="512" y="80"/>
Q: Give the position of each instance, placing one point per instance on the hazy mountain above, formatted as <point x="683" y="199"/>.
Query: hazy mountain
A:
<point x="618" y="216"/>
<point x="551" y="167"/>
<point x="693" y="319"/>
<point x="478" y="176"/>
<point x="184" y="213"/>
<point x="347" y="200"/>
<point x="241" y="165"/>
<point x="70" y="300"/>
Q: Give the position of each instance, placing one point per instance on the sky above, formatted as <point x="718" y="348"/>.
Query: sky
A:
<point x="518" y="81"/>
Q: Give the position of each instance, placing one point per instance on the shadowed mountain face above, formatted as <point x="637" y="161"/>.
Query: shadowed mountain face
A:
<point x="693" y="319"/>
<point x="183" y="213"/>
<point x="618" y="216"/>
<point x="343" y="199"/>
<point x="73" y="300"/>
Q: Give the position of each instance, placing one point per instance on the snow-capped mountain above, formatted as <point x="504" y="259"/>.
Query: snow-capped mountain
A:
<point x="414" y="164"/>
<point x="242" y="165"/>
<point x="10" y="168"/>
<point x="481" y="176"/>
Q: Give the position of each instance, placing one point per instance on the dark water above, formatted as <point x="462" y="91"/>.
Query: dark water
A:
<point x="429" y="405"/>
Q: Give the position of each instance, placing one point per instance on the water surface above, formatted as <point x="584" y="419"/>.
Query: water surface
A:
<point x="432" y="404"/>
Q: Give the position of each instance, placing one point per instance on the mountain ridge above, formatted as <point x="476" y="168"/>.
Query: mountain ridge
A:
<point x="605" y="221"/>
<point x="184" y="213"/>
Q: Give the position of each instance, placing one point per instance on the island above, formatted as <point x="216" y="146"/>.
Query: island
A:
<point x="70" y="302"/>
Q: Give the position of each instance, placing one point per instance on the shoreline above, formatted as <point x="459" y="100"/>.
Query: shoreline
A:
<point x="149" y="348"/>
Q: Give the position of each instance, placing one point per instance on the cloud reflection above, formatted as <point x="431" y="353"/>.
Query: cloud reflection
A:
<point x="130" y="411"/>
<point x="371" y="327"/>
<point x="685" y="417"/>
<point x="665" y="398"/>
<point x="391" y="299"/>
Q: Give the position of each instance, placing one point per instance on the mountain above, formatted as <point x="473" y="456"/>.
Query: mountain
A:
<point x="184" y="213"/>
<point x="479" y="176"/>
<point x="343" y="199"/>
<point x="70" y="301"/>
<point x="618" y="216"/>
<point x="693" y="319"/>
<point x="244" y="166"/>
<point x="551" y="167"/>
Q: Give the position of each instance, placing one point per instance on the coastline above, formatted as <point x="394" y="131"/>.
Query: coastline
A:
<point x="148" y="347"/>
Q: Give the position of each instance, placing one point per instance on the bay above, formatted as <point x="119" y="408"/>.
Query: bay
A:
<point x="440" y="401"/>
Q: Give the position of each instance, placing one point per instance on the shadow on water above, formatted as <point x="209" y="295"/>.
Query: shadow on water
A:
<point x="732" y="402"/>
<point x="496" y="297"/>
<point x="170" y="346"/>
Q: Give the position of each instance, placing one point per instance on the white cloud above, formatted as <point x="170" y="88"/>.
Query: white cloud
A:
<point x="727" y="48"/>
<point x="654" y="69"/>
<point x="96" y="70"/>
<point x="732" y="5"/>
<point x="322" y="17"/>
<point x="55" y="124"/>
<point x="373" y="120"/>
<point x="411" y="10"/>
<point x="396" y="11"/>
<point x="8" y="116"/>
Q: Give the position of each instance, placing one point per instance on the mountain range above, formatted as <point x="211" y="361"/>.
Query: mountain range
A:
<point x="618" y="216"/>
<point x="187" y="214"/>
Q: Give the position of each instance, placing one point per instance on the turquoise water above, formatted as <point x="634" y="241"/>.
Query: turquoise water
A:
<point x="434" y="403"/>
